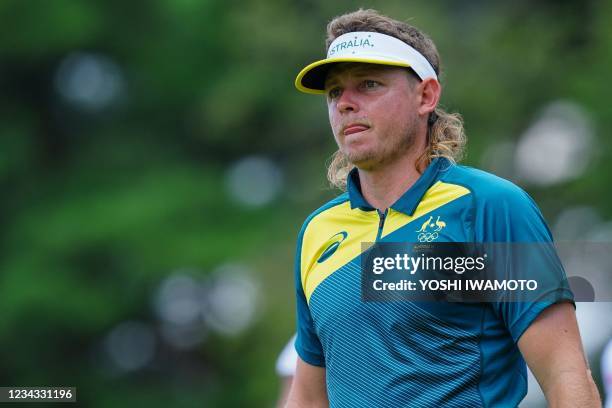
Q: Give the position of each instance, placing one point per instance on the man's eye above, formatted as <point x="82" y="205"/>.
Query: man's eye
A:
<point x="370" y="84"/>
<point x="333" y="93"/>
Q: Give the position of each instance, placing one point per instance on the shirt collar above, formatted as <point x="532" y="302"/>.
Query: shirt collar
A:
<point x="409" y="201"/>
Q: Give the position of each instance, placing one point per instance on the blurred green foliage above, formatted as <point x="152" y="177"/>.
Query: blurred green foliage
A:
<point x="98" y="207"/>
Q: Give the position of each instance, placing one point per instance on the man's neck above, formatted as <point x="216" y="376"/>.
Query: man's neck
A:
<point x="384" y="186"/>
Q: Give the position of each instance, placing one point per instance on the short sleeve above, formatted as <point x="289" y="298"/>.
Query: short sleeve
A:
<point x="508" y="215"/>
<point x="307" y="344"/>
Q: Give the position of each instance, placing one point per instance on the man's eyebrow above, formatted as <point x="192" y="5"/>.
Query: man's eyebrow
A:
<point x="359" y="72"/>
<point x="330" y="81"/>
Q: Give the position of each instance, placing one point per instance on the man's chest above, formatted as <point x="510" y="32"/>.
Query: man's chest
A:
<point x="338" y="244"/>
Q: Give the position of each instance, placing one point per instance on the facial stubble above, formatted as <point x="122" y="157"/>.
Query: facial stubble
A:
<point x="389" y="149"/>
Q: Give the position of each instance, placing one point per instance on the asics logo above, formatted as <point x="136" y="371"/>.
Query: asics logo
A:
<point x="331" y="246"/>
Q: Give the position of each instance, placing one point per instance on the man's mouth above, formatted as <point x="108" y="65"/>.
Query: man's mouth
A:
<point x="354" y="128"/>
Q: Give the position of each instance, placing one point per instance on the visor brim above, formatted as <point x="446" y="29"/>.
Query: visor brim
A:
<point x="311" y="78"/>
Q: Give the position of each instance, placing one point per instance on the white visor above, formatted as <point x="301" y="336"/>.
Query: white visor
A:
<point x="366" y="47"/>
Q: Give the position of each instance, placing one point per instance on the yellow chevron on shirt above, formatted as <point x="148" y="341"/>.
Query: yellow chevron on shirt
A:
<point x="360" y="226"/>
<point x="436" y="196"/>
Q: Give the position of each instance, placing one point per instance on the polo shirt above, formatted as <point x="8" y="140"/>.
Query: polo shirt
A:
<point x="415" y="354"/>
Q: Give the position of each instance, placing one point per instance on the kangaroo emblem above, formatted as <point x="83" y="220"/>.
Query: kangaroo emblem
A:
<point x="439" y="224"/>
<point x="425" y="224"/>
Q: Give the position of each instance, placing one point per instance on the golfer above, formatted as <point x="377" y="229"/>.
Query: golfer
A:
<point x="397" y="160"/>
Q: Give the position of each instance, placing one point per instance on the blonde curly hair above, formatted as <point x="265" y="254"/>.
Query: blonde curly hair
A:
<point x="446" y="136"/>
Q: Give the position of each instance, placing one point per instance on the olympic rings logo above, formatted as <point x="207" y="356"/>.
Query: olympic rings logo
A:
<point x="427" y="236"/>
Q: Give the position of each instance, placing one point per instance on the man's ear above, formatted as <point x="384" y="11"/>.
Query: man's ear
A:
<point x="430" y="90"/>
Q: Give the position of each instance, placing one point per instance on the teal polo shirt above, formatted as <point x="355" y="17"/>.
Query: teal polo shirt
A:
<point x="415" y="354"/>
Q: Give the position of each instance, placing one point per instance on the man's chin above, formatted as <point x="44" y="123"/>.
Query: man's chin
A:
<point x="363" y="162"/>
<point x="372" y="163"/>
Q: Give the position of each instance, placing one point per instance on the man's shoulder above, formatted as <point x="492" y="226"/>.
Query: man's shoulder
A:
<point x="483" y="185"/>
<point x="503" y="210"/>
<point x="325" y="209"/>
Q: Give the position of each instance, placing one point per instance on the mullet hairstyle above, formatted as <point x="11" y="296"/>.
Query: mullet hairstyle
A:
<point x="445" y="136"/>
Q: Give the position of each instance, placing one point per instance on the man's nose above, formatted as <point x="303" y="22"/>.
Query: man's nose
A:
<point x="347" y="102"/>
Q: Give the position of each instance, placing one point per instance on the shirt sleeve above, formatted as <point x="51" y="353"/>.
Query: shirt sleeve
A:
<point x="511" y="221"/>
<point x="307" y="344"/>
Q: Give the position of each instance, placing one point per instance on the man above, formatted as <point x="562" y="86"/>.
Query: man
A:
<point x="396" y="157"/>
